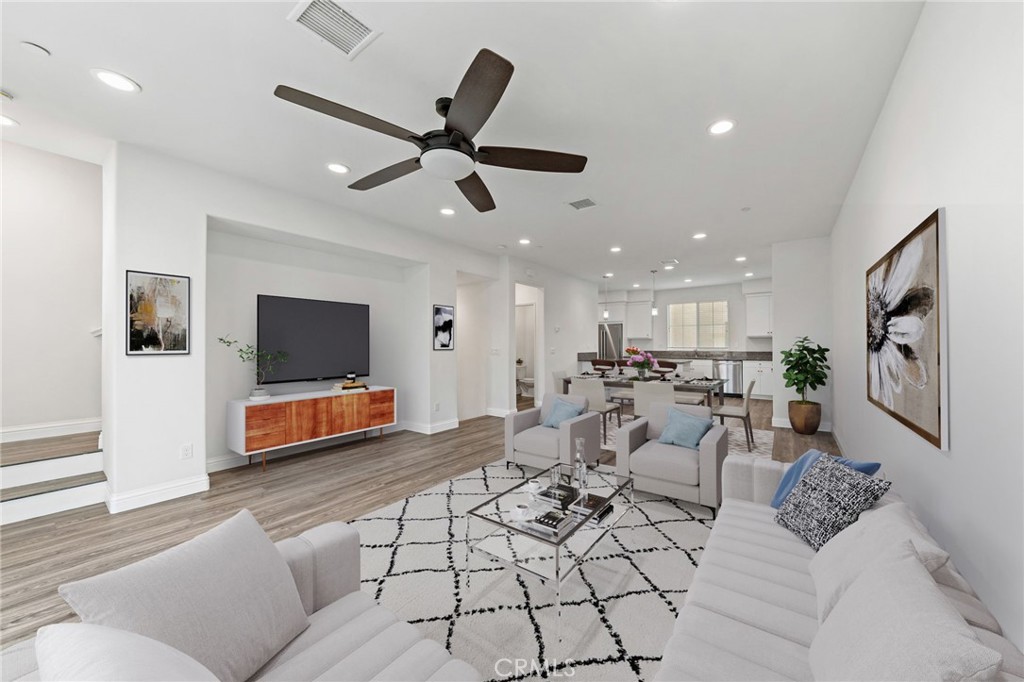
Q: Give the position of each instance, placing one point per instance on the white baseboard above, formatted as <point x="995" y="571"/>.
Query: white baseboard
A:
<point x="35" y="506"/>
<point x="420" y="427"/>
<point x="498" y="412"/>
<point x="783" y="423"/>
<point x="144" y="497"/>
<point x="28" y="473"/>
<point x="13" y="434"/>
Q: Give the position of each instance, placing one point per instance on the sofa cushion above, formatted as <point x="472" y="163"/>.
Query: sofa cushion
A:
<point x="800" y="467"/>
<point x="81" y="651"/>
<point x="356" y="639"/>
<point x="226" y="598"/>
<point x="894" y="624"/>
<point x="665" y="463"/>
<point x="657" y="419"/>
<point x="684" y="430"/>
<point x="838" y="563"/>
<point x="561" y="410"/>
<point x="828" y="498"/>
<point x="537" y="440"/>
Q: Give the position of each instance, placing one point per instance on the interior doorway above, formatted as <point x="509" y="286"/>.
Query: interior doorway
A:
<point x="529" y="350"/>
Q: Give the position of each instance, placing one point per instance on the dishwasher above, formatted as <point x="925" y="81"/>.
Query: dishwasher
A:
<point x="732" y="372"/>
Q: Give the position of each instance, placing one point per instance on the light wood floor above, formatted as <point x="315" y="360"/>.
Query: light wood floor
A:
<point x="294" y="494"/>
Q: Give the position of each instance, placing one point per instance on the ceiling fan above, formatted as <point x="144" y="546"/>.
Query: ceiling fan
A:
<point x="450" y="153"/>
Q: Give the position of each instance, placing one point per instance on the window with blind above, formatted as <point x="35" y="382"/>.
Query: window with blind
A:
<point x="698" y="325"/>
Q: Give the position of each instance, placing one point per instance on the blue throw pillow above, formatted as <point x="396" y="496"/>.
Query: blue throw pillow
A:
<point x="561" y="411"/>
<point x="684" y="429"/>
<point x="806" y="461"/>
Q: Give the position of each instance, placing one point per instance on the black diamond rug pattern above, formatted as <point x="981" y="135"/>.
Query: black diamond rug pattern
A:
<point x="618" y="607"/>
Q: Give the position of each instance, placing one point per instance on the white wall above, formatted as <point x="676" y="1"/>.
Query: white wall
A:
<point x="156" y="210"/>
<point x="733" y="293"/>
<point x="567" y="310"/>
<point x="801" y="306"/>
<point x="239" y="268"/>
<point x="950" y="135"/>
<point x="52" y="222"/>
<point x="472" y="339"/>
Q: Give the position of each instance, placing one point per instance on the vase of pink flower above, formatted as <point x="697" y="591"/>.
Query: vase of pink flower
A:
<point x="642" y="361"/>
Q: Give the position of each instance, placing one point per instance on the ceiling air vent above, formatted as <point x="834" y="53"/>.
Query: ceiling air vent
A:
<point x="332" y="24"/>
<point x="582" y="204"/>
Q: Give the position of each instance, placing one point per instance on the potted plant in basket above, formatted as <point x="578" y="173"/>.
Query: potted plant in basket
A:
<point x="642" y="361"/>
<point x="806" y="364"/>
<point x="263" y="359"/>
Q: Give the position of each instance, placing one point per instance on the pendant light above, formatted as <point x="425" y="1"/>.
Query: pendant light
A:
<point x="654" y="307"/>
<point x="605" y="313"/>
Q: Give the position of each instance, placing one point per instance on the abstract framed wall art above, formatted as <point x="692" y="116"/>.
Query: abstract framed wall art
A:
<point x="444" y="327"/>
<point x="158" y="314"/>
<point x="907" y="375"/>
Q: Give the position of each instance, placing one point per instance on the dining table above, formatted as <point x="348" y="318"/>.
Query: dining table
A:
<point x="707" y="386"/>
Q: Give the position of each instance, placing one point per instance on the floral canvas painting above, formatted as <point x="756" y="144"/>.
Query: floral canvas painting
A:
<point x="158" y="314"/>
<point x="905" y="377"/>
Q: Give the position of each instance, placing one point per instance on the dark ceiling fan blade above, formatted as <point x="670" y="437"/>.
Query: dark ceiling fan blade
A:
<point x="478" y="93"/>
<point x="531" y="159"/>
<point x="475" y="190"/>
<point x="388" y="174"/>
<point x="340" y="111"/>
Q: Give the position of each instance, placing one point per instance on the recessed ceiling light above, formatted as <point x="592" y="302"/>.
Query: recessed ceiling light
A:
<point x="6" y="95"/>
<point x="8" y="122"/>
<point x="451" y="211"/>
<point x="338" y="168"/>
<point x="749" y="274"/>
<point x="740" y="259"/>
<point x="524" y="242"/>
<point x="721" y="127"/>
<point x="116" y="80"/>
<point x="615" y="249"/>
<point x="609" y="274"/>
<point x="35" y="49"/>
<point x="502" y="247"/>
<point x="670" y="267"/>
<point x="699" y="235"/>
<point x="636" y="285"/>
<point x="687" y="280"/>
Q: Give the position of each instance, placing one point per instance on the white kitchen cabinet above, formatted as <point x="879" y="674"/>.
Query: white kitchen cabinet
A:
<point x="639" y="322"/>
<point x="763" y="375"/>
<point x="759" y="315"/>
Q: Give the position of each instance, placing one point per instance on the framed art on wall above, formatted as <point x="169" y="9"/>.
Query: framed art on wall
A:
<point x="444" y="327"/>
<point x="158" y="309"/>
<point x="906" y="336"/>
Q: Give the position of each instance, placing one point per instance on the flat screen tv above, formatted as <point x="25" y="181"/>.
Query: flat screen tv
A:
<point x="323" y="339"/>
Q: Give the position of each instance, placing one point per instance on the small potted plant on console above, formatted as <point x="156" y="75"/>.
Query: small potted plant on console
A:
<point x="263" y="360"/>
<point x="806" y="364"/>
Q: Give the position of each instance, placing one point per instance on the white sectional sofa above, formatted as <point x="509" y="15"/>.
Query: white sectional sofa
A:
<point x="343" y="634"/>
<point x="752" y="609"/>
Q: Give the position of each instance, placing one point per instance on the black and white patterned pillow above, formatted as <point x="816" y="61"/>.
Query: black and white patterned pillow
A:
<point x="827" y="499"/>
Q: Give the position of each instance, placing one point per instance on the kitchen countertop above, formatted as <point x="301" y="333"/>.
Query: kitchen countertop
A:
<point x="755" y="355"/>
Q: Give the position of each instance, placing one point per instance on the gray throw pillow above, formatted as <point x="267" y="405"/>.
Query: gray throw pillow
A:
<point x="226" y="598"/>
<point x="827" y="499"/>
<point x="80" y="651"/>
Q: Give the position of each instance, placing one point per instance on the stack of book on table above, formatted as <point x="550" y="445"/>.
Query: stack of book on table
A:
<point x="551" y="522"/>
<point x="560" y="495"/>
<point x="587" y="504"/>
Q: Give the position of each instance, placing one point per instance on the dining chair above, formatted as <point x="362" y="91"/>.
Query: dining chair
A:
<point x="738" y="412"/>
<point x="593" y="391"/>
<point x="559" y="379"/>
<point x="648" y="392"/>
<point x="602" y="367"/>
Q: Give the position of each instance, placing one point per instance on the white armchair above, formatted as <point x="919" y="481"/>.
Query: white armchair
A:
<point x="529" y="443"/>
<point x="671" y="470"/>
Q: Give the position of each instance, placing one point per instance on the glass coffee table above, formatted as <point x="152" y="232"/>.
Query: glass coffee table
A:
<point x="549" y="556"/>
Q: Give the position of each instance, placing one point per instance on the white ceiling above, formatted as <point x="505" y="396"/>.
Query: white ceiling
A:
<point x="633" y="86"/>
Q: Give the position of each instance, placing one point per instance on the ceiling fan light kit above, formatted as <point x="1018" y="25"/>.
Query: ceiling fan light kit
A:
<point x="450" y="153"/>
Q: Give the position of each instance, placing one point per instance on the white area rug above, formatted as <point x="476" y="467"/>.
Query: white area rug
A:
<point x="764" y="441"/>
<point x="617" y="609"/>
